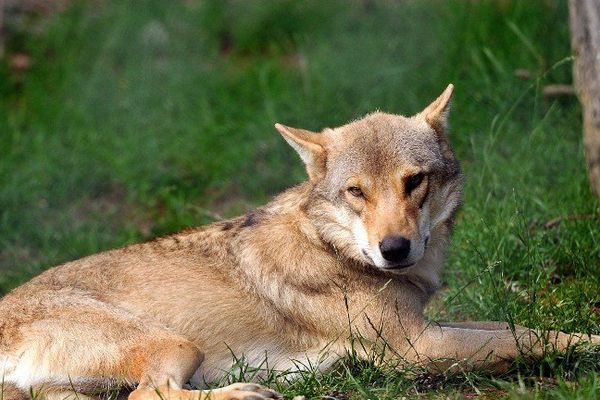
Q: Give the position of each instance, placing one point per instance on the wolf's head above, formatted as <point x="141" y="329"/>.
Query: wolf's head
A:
<point x="385" y="186"/>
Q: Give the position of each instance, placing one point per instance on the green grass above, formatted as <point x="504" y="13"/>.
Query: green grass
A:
<point x="138" y="121"/>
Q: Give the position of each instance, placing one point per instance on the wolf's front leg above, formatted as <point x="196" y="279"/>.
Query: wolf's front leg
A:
<point x="480" y="345"/>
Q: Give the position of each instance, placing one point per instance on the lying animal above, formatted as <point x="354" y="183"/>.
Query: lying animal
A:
<point x="357" y="249"/>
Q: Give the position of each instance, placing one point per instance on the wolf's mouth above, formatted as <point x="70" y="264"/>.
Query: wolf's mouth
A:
<point x="367" y="256"/>
<point x="390" y="267"/>
<point x="400" y="266"/>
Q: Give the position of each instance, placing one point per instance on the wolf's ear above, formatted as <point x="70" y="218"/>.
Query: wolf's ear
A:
<point x="436" y="114"/>
<point x="309" y="145"/>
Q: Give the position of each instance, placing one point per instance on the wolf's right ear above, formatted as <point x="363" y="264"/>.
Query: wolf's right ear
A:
<point x="309" y="145"/>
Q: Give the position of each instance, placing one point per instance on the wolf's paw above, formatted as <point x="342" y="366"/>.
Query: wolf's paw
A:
<point x="237" y="391"/>
<point x="246" y="391"/>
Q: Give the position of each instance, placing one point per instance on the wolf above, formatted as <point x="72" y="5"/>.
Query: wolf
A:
<point x="348" y="258"/>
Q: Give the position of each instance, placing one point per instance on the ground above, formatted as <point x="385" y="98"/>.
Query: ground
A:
<point x="122" y="123"/>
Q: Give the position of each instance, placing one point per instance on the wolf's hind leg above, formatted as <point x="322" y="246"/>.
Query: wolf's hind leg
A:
<point x="65" y="340"/>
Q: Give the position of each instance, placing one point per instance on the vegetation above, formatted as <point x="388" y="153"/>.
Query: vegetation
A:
<point x="134" y="121"/>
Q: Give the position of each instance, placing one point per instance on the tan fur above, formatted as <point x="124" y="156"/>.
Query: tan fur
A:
<point x="293" y="280"/>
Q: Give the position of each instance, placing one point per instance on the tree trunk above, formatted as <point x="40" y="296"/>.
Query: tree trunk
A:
<point x="585" y="42"/>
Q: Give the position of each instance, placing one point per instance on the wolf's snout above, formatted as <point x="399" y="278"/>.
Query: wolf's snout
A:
<point x="394" y="249"/>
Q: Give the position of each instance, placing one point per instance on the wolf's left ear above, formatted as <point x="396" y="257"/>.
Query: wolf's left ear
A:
<point x="436" y="114"/>
<point x="309" y="145"/>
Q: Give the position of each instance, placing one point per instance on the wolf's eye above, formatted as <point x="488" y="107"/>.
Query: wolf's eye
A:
<point x="355" y="191"/>
<point x="413" y="182"/>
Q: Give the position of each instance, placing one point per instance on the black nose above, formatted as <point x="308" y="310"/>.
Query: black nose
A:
<point x="394" y="248"/>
